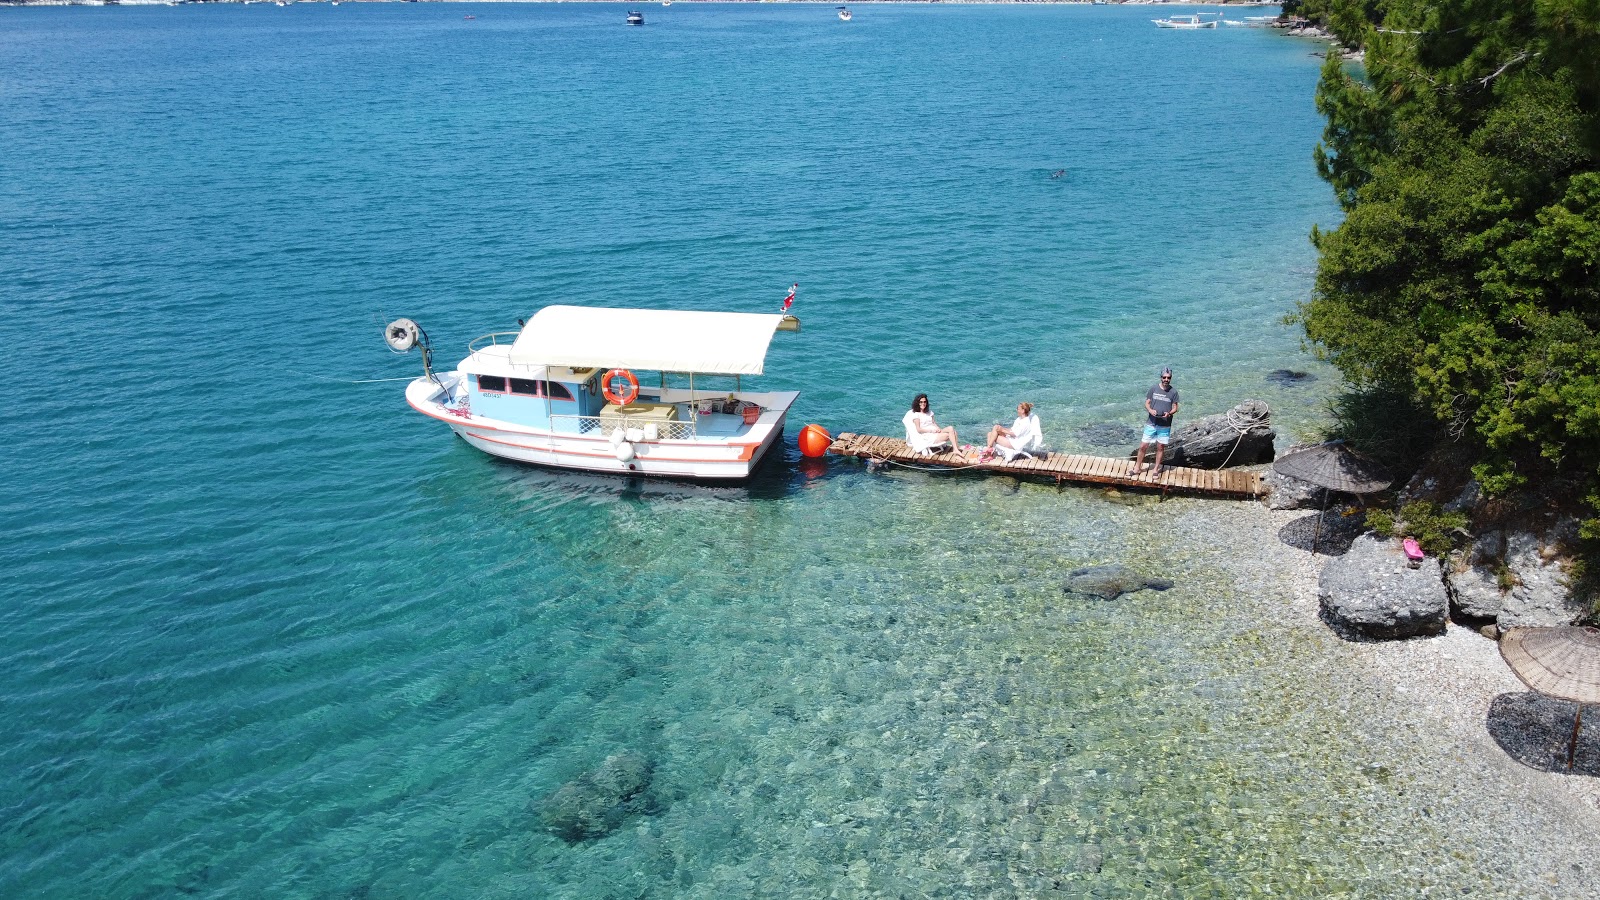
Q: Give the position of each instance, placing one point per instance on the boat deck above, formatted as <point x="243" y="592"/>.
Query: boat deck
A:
<point x="1062" y="468"/>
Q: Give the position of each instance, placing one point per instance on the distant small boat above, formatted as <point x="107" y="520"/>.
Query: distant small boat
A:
<point x="1186" y="22"/>
<point x="469" y="18"/>
<point x="635" y="18"/>
<point x="844" y="14"/>
<point x="666" y="2"/>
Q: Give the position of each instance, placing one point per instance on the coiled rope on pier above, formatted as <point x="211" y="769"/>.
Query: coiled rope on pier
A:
<point x="1243" y="422"/>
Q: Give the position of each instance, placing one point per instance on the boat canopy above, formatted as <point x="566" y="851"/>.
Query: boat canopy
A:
<point x="718" y="343"/>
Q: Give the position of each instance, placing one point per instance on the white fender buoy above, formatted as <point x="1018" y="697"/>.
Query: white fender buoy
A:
<point x="635" y="434"/>
<point x="616" y="437"/>
<point x="624" y="451"/>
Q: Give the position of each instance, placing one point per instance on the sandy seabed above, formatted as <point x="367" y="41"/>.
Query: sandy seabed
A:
<point x="1498" y="786"/>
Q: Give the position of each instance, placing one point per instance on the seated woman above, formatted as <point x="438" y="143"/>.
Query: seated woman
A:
<point x="923" y="434"/>
<point x="1024" y="435"/>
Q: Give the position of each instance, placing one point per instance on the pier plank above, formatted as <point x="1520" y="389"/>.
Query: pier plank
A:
<point x="1060" y="467"/>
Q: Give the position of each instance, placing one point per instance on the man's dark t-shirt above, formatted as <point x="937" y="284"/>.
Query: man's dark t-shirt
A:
<point x="1162" y="400"/>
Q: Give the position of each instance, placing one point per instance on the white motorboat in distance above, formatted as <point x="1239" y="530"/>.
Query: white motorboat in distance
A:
<point x="563" y="391"/>
<point x="635" y="17"/>
<point x="844" y="14"/>
<point x="1187" y="22"/>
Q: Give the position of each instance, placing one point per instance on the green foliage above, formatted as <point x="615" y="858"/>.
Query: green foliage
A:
<point x="1466" y="274"/>
<point x="1381" y="521"/>
<point x="1436" y="531"/>
<point x="1389" y="426"/>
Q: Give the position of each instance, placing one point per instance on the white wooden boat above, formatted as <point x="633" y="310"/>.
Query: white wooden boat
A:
<point x="565" y="391"/>
<point x="844" y="14"/>
<point x="1186" y="22"/>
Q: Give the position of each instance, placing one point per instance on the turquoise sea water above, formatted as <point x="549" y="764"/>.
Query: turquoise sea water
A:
<point x="264" y="632"/>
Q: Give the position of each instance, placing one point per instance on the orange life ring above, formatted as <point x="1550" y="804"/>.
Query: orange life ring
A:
<point x="623" y="397"/>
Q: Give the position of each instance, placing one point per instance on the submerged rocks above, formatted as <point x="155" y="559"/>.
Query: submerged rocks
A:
<point x="1110" y="582"/>
<point x="1372" y="592"/>
<point x="595" y="803"/>
<point x="1242" y="436"/>
<point x="1289" y="377"/>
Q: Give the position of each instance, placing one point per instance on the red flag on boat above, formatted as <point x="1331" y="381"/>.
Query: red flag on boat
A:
<point x="789" y="300"/>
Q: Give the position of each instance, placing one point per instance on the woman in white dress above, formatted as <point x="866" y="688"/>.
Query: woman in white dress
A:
<point x="1022" y="435"/>
<point x="922" y="432"/>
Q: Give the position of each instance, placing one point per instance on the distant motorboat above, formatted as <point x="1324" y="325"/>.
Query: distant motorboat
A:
<point x="1186" y="22"/>
<point x="666" y="2"/>
<point x="844" y="14"/>
<point x="635" y="18"/>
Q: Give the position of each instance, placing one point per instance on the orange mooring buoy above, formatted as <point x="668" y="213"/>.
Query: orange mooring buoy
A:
<point x="814" y="440"/>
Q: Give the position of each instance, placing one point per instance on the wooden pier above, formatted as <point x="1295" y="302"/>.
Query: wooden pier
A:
<point x="1063" y="468"/>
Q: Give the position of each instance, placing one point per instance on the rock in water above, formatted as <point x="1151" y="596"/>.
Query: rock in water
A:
<point x="1371" y="592"/>
<point x="1289" y="377"/>
<point x="595" y="803"/>
<point x="1214" y="441"/>
<point x="1110" y="582"/>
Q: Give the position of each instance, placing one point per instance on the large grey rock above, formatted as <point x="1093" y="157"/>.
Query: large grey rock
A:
<point x="1474" y="578"/>
<point x="1372" y="592"/>
<point x="1110" y="582"/>
<point x="1540" y="594"/>
<point x="1211" y="441"/>
<point x="1515" y="578"/>
<point x="1292" y="493"/>
<point x="595" y="803"/>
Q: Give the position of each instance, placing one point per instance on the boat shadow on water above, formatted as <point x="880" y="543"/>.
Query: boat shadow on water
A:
<point x="778" y="476"/>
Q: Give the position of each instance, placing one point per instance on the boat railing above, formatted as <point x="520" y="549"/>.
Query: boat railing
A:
<point x="491" y="339"/>
<point x="672" y="430"/>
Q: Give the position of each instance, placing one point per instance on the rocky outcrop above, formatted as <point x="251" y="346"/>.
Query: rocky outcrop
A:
<point x="1242" y="436"/>
<point x="595" y="803"/>
<point x="1110" y="582"/>
<point x="1514" y="578"/>
<point x="1372" y="592"/>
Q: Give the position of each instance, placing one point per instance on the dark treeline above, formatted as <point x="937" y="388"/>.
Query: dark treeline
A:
<point x="1466" y="275"/>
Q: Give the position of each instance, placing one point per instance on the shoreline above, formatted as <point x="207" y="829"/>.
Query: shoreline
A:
<point x="1435" y="696"/>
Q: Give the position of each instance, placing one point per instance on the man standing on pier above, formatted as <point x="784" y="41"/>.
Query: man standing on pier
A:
<point x="1161" y="403"/>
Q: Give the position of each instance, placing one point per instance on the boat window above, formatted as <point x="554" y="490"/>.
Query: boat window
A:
<point x="527" y="386"/>
<point x="491" y="383"/>
<point x="557" y="391"/>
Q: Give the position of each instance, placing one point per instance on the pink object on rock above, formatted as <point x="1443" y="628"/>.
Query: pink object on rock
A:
<point x="1413" y="549"/>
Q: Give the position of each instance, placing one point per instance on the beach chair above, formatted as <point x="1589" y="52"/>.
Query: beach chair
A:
<point x="1030" y="444"/>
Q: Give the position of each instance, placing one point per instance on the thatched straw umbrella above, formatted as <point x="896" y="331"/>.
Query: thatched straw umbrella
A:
<point x="1334" y="467"/>
<point x="1559" y="662"/>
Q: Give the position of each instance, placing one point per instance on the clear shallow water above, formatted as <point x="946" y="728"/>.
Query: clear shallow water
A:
<point x="264" y="631"/>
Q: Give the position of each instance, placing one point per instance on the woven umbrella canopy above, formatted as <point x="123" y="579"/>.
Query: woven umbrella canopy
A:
<point x="1335" y="467"/>
<point x="1559" y="662"/>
